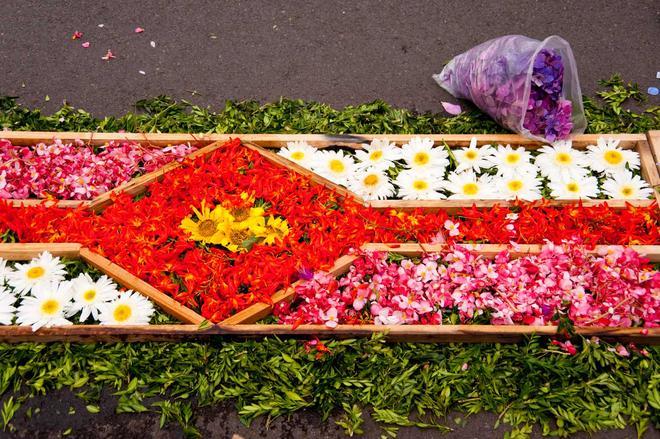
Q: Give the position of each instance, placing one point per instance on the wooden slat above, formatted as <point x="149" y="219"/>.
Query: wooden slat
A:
<point x="155" y="139"/>
<point x="27" y="251"/>
<point x="653" y="137"/>
<point x="649" y="168"/>
<point x="438" y="333"/>
<point x="652" y="252"/>
<point x="102" y="333"/>
<point x="140" y="184"/>
<point x="260" y="310"/>
<point x="165" y="302"/>
<point x="454" y="206"/>
<point x="66" y="204"/>
<point x="314" y="177"/>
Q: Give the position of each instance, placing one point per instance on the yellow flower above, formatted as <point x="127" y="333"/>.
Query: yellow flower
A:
<point x="250" y="219"/>
<point x="211" y="226"/>
<point x="276" y="228"/>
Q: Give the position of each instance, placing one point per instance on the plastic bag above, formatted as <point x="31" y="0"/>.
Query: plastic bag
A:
<point x="526" y="85"/>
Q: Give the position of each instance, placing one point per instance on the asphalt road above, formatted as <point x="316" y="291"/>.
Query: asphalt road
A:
<point x="338" y="52"/>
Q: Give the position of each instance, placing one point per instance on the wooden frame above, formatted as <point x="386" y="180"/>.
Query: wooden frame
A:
<point x="27" y="138"/>
<point x="263" y="142"/>
<point x="243" y="322"/>
<point x="190" y="319"/>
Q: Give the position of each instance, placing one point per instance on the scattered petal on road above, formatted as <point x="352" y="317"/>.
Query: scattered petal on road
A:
<point x="139" y="30"/>
<point x="101" y="25"/>
<point x="653" y="91"/>
<point x="142" y="72"/>
<point x="76" y="35"/>
<point x="108" y="56"/>
<point x="85" y="44"/>
<point x="153" y="44"/>
<point x="450" y="108"/>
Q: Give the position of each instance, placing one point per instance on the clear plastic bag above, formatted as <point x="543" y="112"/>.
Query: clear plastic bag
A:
<point x="500" y="75"/>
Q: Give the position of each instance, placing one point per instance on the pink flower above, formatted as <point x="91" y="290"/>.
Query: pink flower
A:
<point x="452" y="227"/>
<point x="85" y="44"/>
<point x="139" y="30"/>
<point x="108" y="56"/>
<point x="330" y="318"/>
<point x="76" y="35"/>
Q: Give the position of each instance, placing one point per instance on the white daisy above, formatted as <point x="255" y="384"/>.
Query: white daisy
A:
<point x="7" y="309"/>
<point x="41" y="270"/>
<point x="371" y="184"/>
<point x="336" y="166"/>
<point x="585" y="187"/>
<point x="510" y="161"/>
<point x="466" y="185"/>
<point x="418" y="186"/>
<point x="561" y="162"/>
<point x="473" y="157"/>
<point x="299" y="152"/>
<point x="130" y="308"/>
<point x="524" y="187"/>
<point x="46" y="307"/>
<point x="380" y="154"/>
<point x="4" y="271"/>
<point x="88" y="295"/>
<point x="626" y="186"/>
<point x="420" y="155"/>
<point x="607" y="157"/>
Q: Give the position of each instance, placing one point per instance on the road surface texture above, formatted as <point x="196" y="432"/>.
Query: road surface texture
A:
<point x="336" y="52"/>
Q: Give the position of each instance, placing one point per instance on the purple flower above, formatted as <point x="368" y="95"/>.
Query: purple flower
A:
<point x="305" y="274"/>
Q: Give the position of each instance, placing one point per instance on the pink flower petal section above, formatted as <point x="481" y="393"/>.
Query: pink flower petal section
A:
<point x="85" y="44"/>
<point x="139" y="30"/>
<point x="453" y="109"/>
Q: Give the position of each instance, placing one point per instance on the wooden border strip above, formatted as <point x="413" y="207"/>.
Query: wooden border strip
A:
<point x="438" y="333"/>
<point x="104" y="333"/>
<point x="167" y="303"/>
<point x="27" y="251"/>
<point x="93" y="138"/>
<point x="653" y="137"/>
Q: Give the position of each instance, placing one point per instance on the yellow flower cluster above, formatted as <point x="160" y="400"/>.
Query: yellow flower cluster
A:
<point x="237" y="230"/>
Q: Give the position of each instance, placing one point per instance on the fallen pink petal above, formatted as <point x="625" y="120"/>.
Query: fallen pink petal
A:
<point x="108" y="56"/>
<point x="85" y="44"/>
<point x="453" y="109"/>
<point x="139" y="30"/>
<point x="76" y="35"/>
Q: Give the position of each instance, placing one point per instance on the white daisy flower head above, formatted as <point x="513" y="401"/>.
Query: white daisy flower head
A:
<point x="585" y="187"/>
<point x="379" y="154"/>
<point x="43" y="269"/>
<point x="420" y="155"/>
<point x="4" y="271"/>
<point x="473" y="157"/>
<point x="336" y="166"/>
<point x="88" y="295"/>
<point x="371" y="184"/>
<point x="46" y="307"/>
<point x="524" y="187"/>
<point x="561" y="161"/>
<point x="7" y="309"/>
<point x="130" y="308"/>
<point x="510" y="160"/>
<point x="300" y="152"/>
<point x="626" y="186"/>
<point x="606" y="156"/>
<point x="466" y="185"/>
<point x="418" y="186"/>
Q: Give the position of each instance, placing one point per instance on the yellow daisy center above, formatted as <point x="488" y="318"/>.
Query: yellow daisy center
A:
<point x="471" y="155"/>
<point x="627" y="191"/>
<point x="470" y="189"/>
<point x="573" y="187"/>
<point x="421" y="158"/>
<point x="122" y="313"/>
<point x="375" y="155"/>
<point x="613" y="157"/>
<point x="515" y="185"/>
<point x="371" y="180"/>
<point x="563" y="158"/>
<point x="512" y="158"/>
<point x="207" y="228"/>
<point x="89" y="295"/>
<point x="298" y="155"/>
<point x="337" y="166"/>
<point x="240" y="214"/>
<point x="35" y="272"/>
<point x="238" y="236"/>
<point x="50" y="307"/>
<point x="420" y="185"/>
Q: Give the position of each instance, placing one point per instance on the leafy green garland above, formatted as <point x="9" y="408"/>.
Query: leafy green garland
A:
<point x="400" y="384"/>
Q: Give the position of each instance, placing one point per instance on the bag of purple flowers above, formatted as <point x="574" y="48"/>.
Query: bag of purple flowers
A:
<point x="526" y="85"/>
